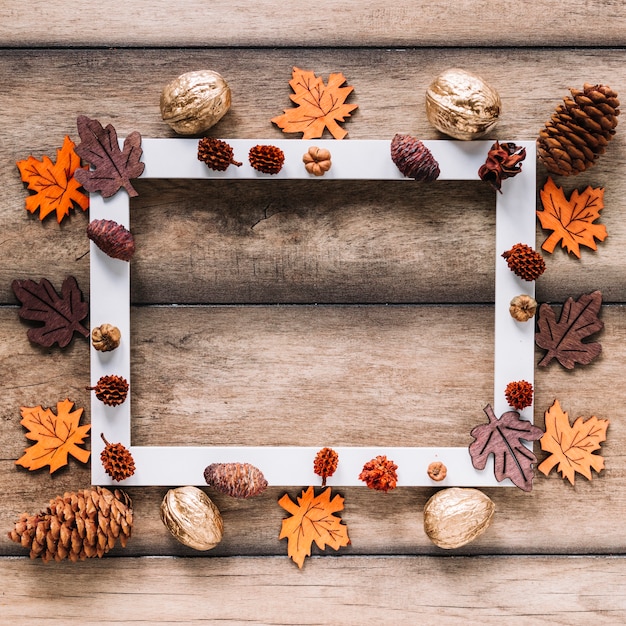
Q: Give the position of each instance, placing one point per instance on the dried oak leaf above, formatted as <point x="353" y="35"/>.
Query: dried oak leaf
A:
<point x="55" y="186"/>
<point x="312" y="519"/>
<point x="319" y="106"/>
<point x="572" y="446"/>
<point x="503" y="438"/>
<point x="114" y="168"/>
<point x="563" y="340"/>
<point x="61" y="314"/>
<point x="56" y="436"/>
<point x="571" y="220"/>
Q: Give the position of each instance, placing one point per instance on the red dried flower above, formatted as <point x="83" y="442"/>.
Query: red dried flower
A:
<point x="519" y="394"/>
<point x="503" y="161"/>
<point x="380" y="474"/>
<point x="325" y="463"/>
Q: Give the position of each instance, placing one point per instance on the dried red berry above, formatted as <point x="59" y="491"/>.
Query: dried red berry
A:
<point x="266" y="159"/>
<point x="112" y="238"/>
<point x="325" y="463"/>
<point x="380" y="474"/>
<point x="519" y="394"/>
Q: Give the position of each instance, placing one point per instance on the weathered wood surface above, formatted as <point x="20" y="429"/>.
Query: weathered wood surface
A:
<point x="399" y="346"/>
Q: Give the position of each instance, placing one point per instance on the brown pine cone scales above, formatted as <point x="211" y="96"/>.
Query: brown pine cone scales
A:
<point x="525" y="262"/>
<point x="217" y="154"/>
<point x="76" y="526"/>
<point x="325" y="464"/>
<point x="579" y="130"/>
<point x="504" y="160"/>
<point x="239" y="480"/>
<point x="112" y="390"/>
<point x="414" y="159"/>
<point x="117" y="460"/>
<point x="519" y="394"/>
<point x="267" y="159"/>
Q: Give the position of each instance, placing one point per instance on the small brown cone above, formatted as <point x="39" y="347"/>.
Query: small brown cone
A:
<point x="77" y="525"/>
<point x="266" y="159"/>
<point x="579" y="130"/>
<point x="217" y="154"/>
<point x="525" y="262"/>
<point x="239" y="480"/>
<point x="112" y="390"/>
<point x="117" y="461"/>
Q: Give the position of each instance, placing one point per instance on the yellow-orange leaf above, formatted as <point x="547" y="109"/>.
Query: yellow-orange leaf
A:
<point x="312" y="519"/>
<point x="572" y="446"/>
<point x="319" y="106"/>
<point x="54" y="184"/>
<point x="571" y="220"/>
<point x="56" y="436"/>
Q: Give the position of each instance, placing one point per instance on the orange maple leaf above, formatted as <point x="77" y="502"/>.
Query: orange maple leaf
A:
<point x="319" y="106"/>
<point x="571" y="220"/>
<point x="54" y="183"/>
<point x="312" y="520"/>
<point x="56" y="436"/>
<point x="572" y="446"/>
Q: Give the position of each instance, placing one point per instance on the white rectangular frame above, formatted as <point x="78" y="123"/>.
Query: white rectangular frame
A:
<point x="184" y="465"/>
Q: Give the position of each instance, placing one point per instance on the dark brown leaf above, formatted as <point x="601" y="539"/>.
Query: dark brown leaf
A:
<point x="60" y="314"/>
<point x="563" y="340"/>
<point x="503" y="438"/>
<point x="114" y="168"/>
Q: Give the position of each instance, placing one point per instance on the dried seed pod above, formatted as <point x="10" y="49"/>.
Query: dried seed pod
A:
<point x="462" y="104"/>
<point x="239" y="480"/>
<point x="192" y="518"/>
<point x="105" y="337"/>
<point x="437" y="471"/>
<point x="266" y="159"/>
<point x="454" y="517"/>
<point x="414" y="159"/>
<point x="503" y="161"/>
<point x="316" y="161"/>
<point x="380" y="474"/>
<point x="112" y="390"/>
<point x="195" y="101"/>
<point x="217" y="154"/>
<point x="519" y="394"/>
<point x="325" y="463"/>
<point x="112" y="238"/>
<point x="525" y="262"/>
<point x="117" y="461"/>
<point x="523" y="307"/>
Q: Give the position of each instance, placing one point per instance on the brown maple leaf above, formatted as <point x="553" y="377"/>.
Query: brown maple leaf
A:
<point x="61" y="315"/>
<point x="312" y="519"/>
<point x="563" y="340"/>
<point x="55" y="186"/>
<point x="571" y="220"/>
<point x="319" y="106"/>
<point x="114" y="168"/>
<point x="503" y="438"/>
<point x="572" y="446"/>
<point x="56" y="436"/>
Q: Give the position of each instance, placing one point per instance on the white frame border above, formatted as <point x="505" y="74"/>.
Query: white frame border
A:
<point x="352" y="159"/>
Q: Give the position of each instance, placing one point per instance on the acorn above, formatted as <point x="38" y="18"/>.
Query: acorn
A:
<point x="239" y="480"/>
<point x="117" y="460"/>
<point x="112" y="390"/>
<point x="112" y="238"/>
<point x="217" y="154"/>
<point x="525" y="262"/>
<point x="414" y="159"/>
<point x="266" y="159"/>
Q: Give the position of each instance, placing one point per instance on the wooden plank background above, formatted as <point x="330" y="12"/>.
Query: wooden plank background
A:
<point x="295" y="312"/>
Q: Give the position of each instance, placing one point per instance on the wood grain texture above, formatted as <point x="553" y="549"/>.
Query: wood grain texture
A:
<point x="350" y="591"/>
<point x="351" y="23"/>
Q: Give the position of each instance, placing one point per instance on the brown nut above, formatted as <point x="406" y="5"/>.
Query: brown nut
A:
<point x="454" y="517"/>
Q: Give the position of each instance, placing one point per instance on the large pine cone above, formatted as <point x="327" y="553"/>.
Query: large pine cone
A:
<point x="77" y="526"/>
<point x="579" y="130"/>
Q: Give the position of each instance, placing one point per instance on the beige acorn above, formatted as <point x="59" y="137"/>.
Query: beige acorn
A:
<point x="239" y="480"/>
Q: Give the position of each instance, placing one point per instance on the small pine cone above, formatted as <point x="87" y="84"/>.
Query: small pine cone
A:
<point x="217" y="154"/>
<point x="266" y="159"/>
<point x="503" y="161"/>
<point x="76" y="526"/>
<point x="380" y="474"/>
<point x="579" y="130"/>
<point x="325" y="464"/>
<point x="117" y="461"/>
<point x="525" y="262"/>
<point x="105" y="337"/>
<point x="239" y="480"/>
<point x="112" y="238"/>
<point x="523" y="307"/>
<point x="112" y="390"/>
<point x="519" y="394"/>
<point x="414" y="159"/>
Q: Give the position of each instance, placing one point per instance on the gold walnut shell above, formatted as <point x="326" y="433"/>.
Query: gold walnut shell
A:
<point x="462" y="105"/>
<point x="454" y="517"/>
<point x="192" y="518"/>
<point x="195" y="101"/>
